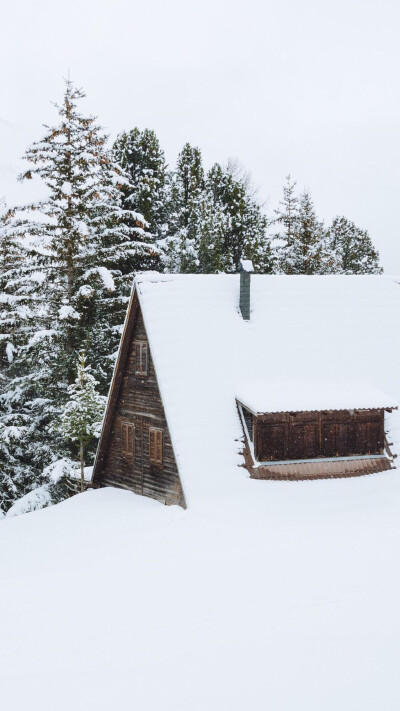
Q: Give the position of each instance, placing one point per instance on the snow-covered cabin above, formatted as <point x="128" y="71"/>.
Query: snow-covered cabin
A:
<point x="222" y="376"/>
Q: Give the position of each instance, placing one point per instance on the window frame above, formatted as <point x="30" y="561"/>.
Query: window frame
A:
<point x="158" y="456"/>
<point x="141" y="347"/>
<point x="128" y="451"/>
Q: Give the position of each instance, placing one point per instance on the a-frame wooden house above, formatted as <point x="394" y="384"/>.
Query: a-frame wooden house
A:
<point x="135" y="450"/>
<point x="286" y="378"/>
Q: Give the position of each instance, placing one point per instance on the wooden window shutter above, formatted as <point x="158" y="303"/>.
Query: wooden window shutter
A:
<point x="131" y="440"/>
<point x="159" y="452"/>
<point x="137" y="357"/>
<point x="127" y="439"/>
<point x="124" y="437"/>
<point x="155" y="445"/>
<point x="144" y="359"/>
<point x="141" y="358"/>
<point x="152" y="444"/>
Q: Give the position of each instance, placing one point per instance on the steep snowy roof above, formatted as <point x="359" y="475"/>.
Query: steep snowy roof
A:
<point x="259" y="397"/>
<point x="315" y="334"/>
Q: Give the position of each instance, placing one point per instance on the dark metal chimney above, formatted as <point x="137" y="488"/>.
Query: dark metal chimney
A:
<point x="245" y="270"/>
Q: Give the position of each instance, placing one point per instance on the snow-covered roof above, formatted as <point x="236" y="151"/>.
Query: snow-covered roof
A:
<point x="259" y="396"/>
<point x="324" y="331"/>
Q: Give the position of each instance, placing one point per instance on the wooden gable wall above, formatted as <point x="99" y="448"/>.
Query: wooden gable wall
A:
<point x="135" y="400"/>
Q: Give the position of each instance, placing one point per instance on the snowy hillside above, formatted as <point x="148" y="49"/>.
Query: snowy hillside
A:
<point x="285" y="598"/>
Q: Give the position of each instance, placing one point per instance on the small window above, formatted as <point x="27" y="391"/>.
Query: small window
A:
<point x="128" y="439"/>
<point x="155" y="446"/>
<point x="141" y="358"/>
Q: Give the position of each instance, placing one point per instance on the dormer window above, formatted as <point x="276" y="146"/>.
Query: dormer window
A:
<point x="141" y="358"/>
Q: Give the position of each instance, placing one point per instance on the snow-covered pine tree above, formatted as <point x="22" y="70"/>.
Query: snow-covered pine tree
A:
<point x="213" y="227"/>
<point x="10" y="262"/>
<point x="83" y="251"/>
<point x="186" y="195"/>
<point x="307" y="252"/>
<point x="82" y="414"/>
<point x="353" y="246"/>
<point x="287" y="217"/>
<point x="141" y="156"/>
<point x="244" y="223"/>
<point x="303" y="247"/>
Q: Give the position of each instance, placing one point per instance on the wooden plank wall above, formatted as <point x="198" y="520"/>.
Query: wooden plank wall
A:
<point x="139" y="403"/>
<point x="310" y="435"/>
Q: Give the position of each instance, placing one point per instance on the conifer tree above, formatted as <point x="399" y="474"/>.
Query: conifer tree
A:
<point x="287" y="219"/>
<point x="303" y="246"/>
<point x="82" y="414"/>
<point x="213" y="227"/>
<point x="17" y="282"/>
<point x="244" y="223"/>
<point x="83" y="248"/>
<point x="186" y="193"/>
<point x="353" y="246"/>
<point x="140" y="155"/>
<point x="307" y="255"/>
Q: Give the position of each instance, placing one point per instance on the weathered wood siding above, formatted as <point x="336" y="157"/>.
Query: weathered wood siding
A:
<point x="311" y="435"/>
<point x="139" y="403"/>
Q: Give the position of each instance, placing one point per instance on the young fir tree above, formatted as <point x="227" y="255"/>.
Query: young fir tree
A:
<point x="83" y="247"/>
<point x="287" y="219"/>
<point x="82" y="414"/>
<point x="141" y="156"/>
<point x="308" y="252"/>
<point x="186" y="194"/>
<point x="213" y="226"/>
<point x="353" y="246"/>
<point x="18" y="282"/>
<point x="304" y="247"/>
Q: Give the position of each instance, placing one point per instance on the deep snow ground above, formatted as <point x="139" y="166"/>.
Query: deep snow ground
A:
<point x="287" y="598"/>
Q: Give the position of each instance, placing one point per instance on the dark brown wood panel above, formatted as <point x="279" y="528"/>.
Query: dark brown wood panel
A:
<point x="303" y="435"/>
<point x="139" y="403"/>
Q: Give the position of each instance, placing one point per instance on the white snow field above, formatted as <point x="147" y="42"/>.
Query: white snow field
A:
<point x="285" y="599"/>
<point x="262" y="595"/>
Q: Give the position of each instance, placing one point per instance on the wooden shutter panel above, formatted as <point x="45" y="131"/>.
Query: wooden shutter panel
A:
<point x="131" y="440"/>
<point x="152" y="445"/>
<point x="137" y="358"/>
<point x="155" y="445"/>
<point x="375" y="443"/>
<point x="124" y="437"/>
<point x="270" y="442"/>
<point x="329" y="440"/>
<point x="127" y="439"/>
<point x="159" y="447"/>
<point x="144" y="359"/>
<point x="361" y="445"/>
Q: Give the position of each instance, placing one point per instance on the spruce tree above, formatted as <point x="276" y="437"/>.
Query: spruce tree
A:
<point x="186" y="193"/>
<point x="303" y="247"/>
<point x="18" y="282"/>
<point x="84" y="247"/>
<point x="244" y="224"/>
<point x="287" y="220"/>
<point x="353" y="246"/>
<point x="140" y="155"/>
<point x="82" y="414"/>
<point x="308" y="247"/>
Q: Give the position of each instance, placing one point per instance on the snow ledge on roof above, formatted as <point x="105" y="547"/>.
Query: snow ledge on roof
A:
<point x="297" y="397"/>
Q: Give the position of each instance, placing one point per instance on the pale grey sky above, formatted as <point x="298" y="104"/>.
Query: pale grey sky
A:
<point x="307" y="87"/>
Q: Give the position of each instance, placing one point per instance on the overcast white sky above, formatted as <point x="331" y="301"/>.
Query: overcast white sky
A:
<point x="307" y="87"/>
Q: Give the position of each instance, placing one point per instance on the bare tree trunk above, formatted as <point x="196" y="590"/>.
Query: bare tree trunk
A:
<point x="82" y="466"/>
